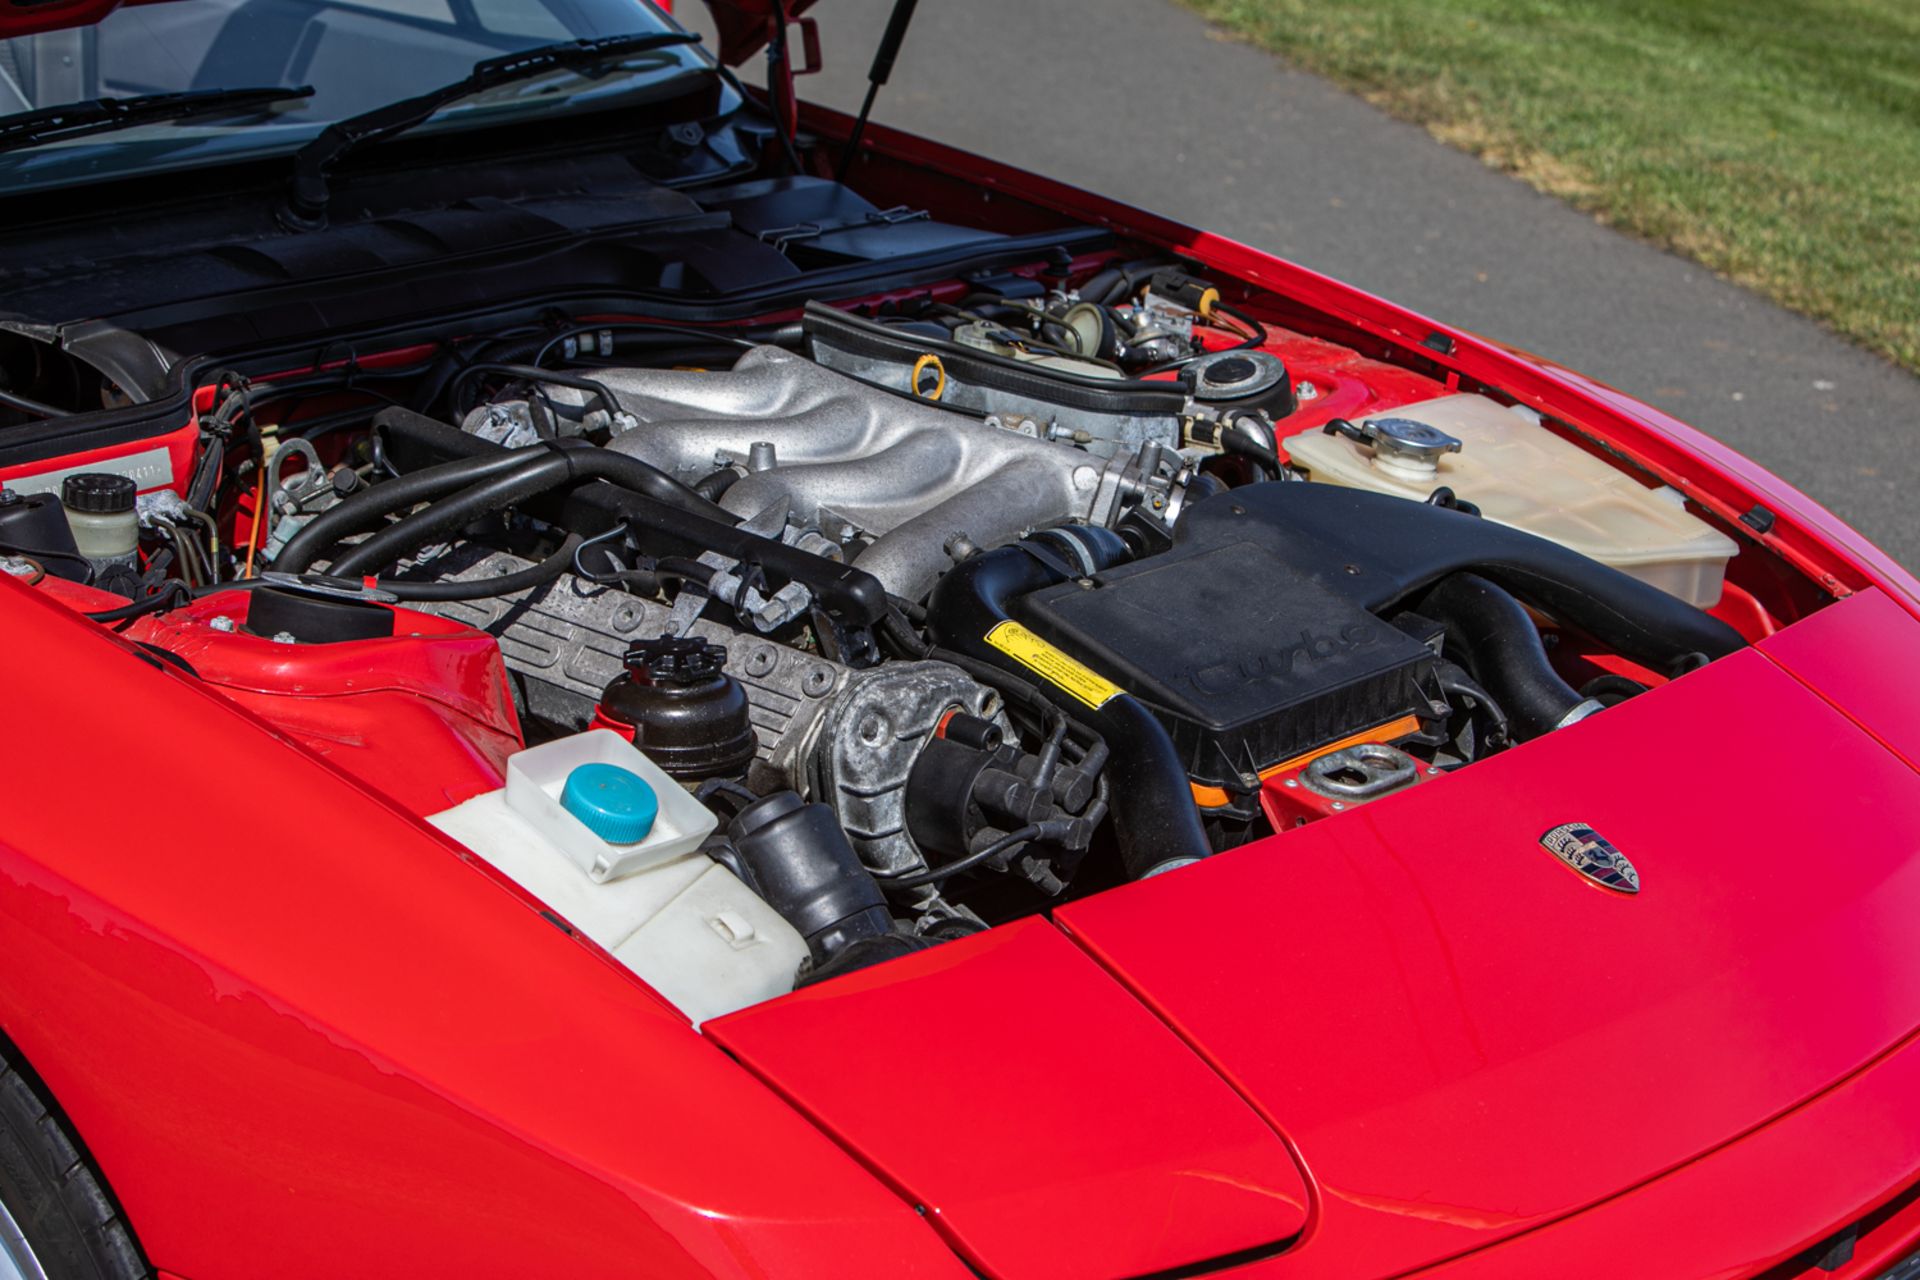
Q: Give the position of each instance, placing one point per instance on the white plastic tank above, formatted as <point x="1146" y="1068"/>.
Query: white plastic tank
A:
<point x="602" y="835"/>
<point x="1520" y="474"/>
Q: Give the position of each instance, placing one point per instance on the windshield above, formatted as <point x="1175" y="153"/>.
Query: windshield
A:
<point x="356" y="56"/>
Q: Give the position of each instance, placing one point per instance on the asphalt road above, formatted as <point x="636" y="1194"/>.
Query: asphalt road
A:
<point x="1143" y="101"/>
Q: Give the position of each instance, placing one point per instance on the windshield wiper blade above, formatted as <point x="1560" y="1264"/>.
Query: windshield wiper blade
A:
<point x="306" y="204"/>
<point x="105" y="115"/>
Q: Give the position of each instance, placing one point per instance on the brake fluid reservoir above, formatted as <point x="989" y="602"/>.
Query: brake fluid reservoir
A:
<point x="100" y="511"/>
<point x="601" y="834"/>
<point x="1522" y="475"/>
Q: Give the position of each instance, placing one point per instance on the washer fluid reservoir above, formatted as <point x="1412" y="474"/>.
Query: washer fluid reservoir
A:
<point x="1522" y="475"/>
<point x="601" y="834"/>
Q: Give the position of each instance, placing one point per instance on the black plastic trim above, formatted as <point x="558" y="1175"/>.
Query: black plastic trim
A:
<point x="58" y="437"/>
<point x="850" y="281"/>
<point x="831" y="327"/>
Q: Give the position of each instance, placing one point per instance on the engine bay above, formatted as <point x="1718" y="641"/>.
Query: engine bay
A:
<point x="771" y="642"/>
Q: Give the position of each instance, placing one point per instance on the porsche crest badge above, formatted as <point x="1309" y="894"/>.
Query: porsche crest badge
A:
<point x="1588" y="852"/>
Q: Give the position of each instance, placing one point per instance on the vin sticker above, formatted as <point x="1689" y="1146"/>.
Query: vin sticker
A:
<point x="148" y="469"/>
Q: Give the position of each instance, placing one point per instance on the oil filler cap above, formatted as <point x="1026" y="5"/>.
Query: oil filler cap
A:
<point x="615" y="804"/>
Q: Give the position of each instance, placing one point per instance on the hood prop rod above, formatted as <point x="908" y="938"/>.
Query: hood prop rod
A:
<point x="877" y="75"/>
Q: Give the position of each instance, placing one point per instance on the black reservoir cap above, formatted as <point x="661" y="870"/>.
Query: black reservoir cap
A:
<point x="689" y="716"/>
<point x="98" y="492"/>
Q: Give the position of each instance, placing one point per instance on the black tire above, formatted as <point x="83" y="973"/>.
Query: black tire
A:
<point x="52" y="1193"/>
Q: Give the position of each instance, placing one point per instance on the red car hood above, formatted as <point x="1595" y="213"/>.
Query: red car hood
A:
<point x="1461" y="1037"/>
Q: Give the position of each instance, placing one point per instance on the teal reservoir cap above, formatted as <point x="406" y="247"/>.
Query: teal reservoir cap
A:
<point x="615" y="804"/>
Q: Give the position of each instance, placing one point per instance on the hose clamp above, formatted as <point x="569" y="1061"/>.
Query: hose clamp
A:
<point x="1581" y="710"/>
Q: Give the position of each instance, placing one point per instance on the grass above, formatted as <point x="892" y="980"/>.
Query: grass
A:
<point x="1776" y="141"/>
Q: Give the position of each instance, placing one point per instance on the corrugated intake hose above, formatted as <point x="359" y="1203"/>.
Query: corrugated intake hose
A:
<point x="1154" y="818"/>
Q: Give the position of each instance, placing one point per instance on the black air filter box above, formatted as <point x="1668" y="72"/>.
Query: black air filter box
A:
<point x="1257" y="637"/>
<point x="1247" y="660"/>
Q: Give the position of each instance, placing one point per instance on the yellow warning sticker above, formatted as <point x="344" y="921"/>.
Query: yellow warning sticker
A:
<point x="1053" y="666"/>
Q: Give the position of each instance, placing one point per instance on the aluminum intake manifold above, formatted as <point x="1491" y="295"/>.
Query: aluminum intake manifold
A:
<point x="923" y="483"/>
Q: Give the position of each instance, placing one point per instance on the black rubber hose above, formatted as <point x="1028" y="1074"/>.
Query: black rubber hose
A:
<point x="533" y="575"/>
<point x="590" y="462"/>
<point x="1155" y="822"/>
<point x="535" y="476"/>
<point x="503" y="478"/>
<point x="366" y="509"/>
<point x="532" y="373"/>
<point x="1031" y="831"/>
<point x="172" y="595"/>
<point x="1493" y="631"/>
<point x="546" y="469"/>
<point x="506" y="584"/>
<point x="549" y="469"/>
<point x="1463" y="688"/>
<point x="1612" y="689"/>
<point x="854" y="597"/>
<point x="413" y="438"/>
<point x="714" y="485"/>
<point x="1114" y="283"/>
<point x="1249" y="436"/>
<point x="1097" y="285"/>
